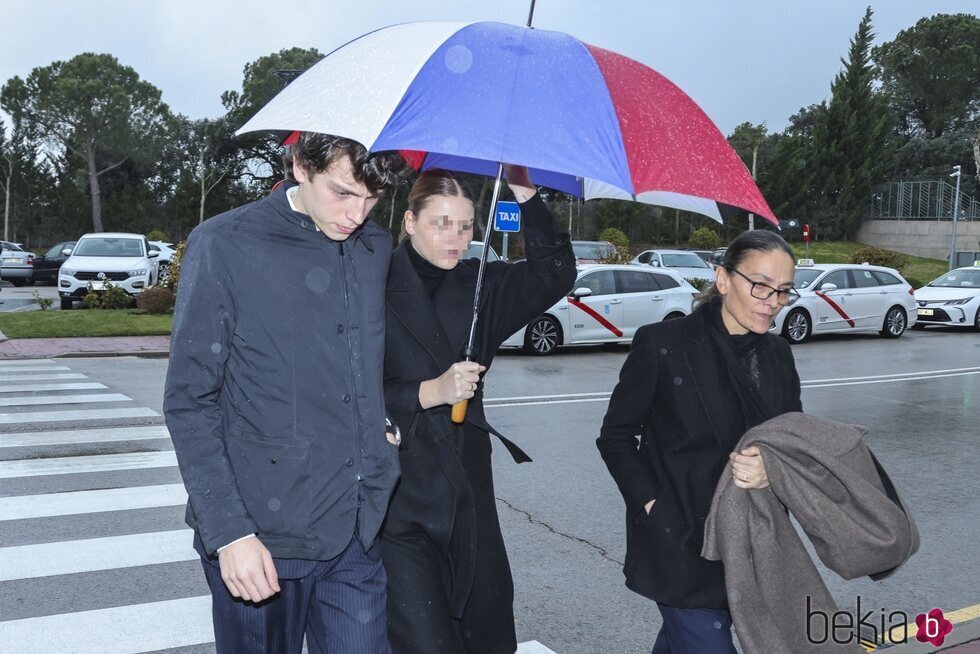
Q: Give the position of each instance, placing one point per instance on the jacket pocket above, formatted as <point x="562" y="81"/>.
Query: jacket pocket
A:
<point x="274" y="481"/>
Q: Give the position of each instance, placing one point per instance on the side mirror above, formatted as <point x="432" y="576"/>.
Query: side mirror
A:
<point x="66" y="252"/>
<point x="582" y="291"/>
<point x="153" y="254"/>
<point x="828" y="287"/>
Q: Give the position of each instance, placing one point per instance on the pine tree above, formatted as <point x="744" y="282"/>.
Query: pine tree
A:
<point x="852" y="148"/>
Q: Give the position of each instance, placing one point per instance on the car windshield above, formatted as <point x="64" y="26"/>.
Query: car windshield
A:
<point x="596" y="251"/>
<point x="12" y="246"/>
<point x="803" y="277"/>
<point x="683" y="260"/>
<point x="109" y="247"/>
<point x="958" y="279"/>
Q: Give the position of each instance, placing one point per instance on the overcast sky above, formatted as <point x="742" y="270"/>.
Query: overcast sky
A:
<point x="752" y="60"/>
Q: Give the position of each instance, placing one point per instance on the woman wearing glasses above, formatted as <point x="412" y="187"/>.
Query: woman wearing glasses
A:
<point x="688" y="390"/>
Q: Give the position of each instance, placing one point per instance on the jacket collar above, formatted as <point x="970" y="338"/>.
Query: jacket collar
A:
<point x="408" y="301"/>
<point x="277" y="198"/>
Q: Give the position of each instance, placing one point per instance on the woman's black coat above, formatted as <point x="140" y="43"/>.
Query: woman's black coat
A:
<point x="436" y="496"/>
<point x="674" y="394"/>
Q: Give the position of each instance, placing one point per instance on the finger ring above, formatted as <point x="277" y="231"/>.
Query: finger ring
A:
<point x="745" y="477"/>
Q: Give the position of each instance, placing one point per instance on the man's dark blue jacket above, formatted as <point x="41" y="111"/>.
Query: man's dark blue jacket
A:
<point x="274" y="391"/>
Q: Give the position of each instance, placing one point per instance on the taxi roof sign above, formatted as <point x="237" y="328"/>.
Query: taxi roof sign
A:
<point x="804" y="262"/>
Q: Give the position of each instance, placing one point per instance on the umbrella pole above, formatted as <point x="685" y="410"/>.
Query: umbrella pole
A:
<point x="459" y="409"/>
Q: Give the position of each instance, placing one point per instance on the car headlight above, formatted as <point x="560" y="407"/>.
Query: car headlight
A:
<point x="954" y="303"/>
<point x="68" y="271"/>
<point x="138" y="272"/>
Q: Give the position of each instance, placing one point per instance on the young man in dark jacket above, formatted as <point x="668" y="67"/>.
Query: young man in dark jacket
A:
<point x="274" y="403"/>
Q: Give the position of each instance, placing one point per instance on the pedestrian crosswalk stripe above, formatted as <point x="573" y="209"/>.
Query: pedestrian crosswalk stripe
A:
<point x="41" y="400"/>
<point x="134" y="628"/>
<point x="26" y="507"/>
<point x="25" y="362"/>
<point x="81" y="464"/>
<point x="118" y="630"/>
<point x="41" y="376"/>
<point x="79" y="414"/>
<point x="33" y="388"/>
<point x="33" y="369"/>
<point x="94" y="554"/>
<point x="77" y="436"/>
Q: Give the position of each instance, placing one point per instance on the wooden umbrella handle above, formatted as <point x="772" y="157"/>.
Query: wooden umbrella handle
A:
<point x="459" y="412"/>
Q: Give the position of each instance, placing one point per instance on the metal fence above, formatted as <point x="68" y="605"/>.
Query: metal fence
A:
<point x="929" y="200"/>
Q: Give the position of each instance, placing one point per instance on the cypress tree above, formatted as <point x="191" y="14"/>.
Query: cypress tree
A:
<point x="852" y="148"/>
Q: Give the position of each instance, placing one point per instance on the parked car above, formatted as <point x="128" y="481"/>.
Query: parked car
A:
<point x="47" y="265"/>
<point x="845" y="298"/>
<point x="717" y="256"/>
<point x="704" y="254"/>
<point x="952" y="299"/>
<point x="16" y="264"/>
<point x="166" y="251"/>
<point x="592" y="251"/>
<point x="683" y="262"/>
<point x="475" y="251"/>
<point x="123" y="260"/>
<point x="608" y="304"/>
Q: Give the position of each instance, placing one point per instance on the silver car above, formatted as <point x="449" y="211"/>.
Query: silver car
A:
<point x="685" y="263"/>
<point x="16" y="265"/>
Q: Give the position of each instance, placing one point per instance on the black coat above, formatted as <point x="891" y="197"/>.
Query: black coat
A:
<point x="274" y="390"/>
<point x="445" y="495"/>
<point x="674" y="393"/>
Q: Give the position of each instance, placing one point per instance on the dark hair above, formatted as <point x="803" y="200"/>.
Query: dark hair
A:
<point x="315" y="152"/>
<point x="746" y="243"/>
<point x="434" y="183"/>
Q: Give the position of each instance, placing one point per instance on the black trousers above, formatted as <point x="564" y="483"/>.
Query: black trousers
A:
<point x="338" y="605"/>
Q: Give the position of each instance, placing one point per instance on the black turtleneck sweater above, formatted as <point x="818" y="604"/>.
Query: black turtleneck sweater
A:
<point x="430" y="274"/>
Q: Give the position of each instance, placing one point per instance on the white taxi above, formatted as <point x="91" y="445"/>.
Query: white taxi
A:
<point x="608" y="304"/>
<point x="952" y="299"/>
<point x="846" y="298"/>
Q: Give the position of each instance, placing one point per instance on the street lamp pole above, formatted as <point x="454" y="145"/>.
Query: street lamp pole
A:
<point x="956" y="211"/>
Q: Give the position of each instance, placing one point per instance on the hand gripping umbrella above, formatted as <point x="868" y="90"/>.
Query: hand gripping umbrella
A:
<point x="471" y="96"/>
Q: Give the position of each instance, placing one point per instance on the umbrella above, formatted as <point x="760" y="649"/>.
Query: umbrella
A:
<point x="584" y="120"/>
<point x="470" y="96"/>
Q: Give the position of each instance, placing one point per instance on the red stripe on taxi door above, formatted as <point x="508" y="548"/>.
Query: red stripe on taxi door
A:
<point x="595" y="314"/>
<point x="836" y="307"/>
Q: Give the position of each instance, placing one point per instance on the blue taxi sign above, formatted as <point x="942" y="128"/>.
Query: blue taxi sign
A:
<point x="508" y="217"/>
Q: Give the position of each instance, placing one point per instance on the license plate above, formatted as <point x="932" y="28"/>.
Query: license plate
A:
<point x="925" y="312"/>
<point x="97" y="286"/>
<point x="10" y="260"/>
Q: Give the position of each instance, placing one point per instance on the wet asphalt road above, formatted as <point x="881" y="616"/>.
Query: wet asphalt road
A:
<point x="562" y="516"/>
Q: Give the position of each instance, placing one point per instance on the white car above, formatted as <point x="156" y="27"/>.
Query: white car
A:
<point x="608" y="304"/>
<point x="685" y="263"/>
<point x="953" y="299"/>
<point x="16" y="264"/>
<point x="123" y="260"/>
<point x="166" y="251"/>
<point x="846" y="298"/>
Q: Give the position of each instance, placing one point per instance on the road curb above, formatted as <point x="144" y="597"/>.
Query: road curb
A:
<point x="963" y="633"/>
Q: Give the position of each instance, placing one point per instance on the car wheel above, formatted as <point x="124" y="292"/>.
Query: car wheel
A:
<point x="18" y="281"/>
<point x="895" y="323"/>
<point x="66" y="303"/>
<point x="673" y="316"/>
<point x="797" y="327"/>
<point x="976" y="321"/>
<point x="164" y="274"/>
<point x="542" y="336"/>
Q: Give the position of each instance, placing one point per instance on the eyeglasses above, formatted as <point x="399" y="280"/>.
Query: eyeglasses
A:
<point x="762" y="291"/>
